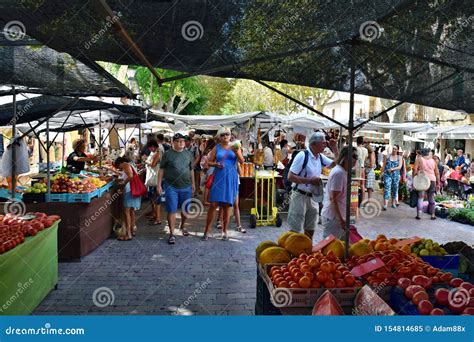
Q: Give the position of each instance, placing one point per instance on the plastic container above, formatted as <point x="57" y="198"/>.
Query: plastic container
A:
<point x="287" y="298"/>
<point x="446" y="263"/>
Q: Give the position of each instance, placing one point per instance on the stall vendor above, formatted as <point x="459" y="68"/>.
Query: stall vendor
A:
<point x="76" y="161"/>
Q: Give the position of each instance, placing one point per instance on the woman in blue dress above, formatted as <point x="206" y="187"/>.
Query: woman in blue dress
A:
<point x="392" y="164"/>
<point x="225" y="185"/>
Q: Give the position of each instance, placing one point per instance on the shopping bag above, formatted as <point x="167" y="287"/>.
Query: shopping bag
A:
<point x="354" y="235"/>
<point x="136" y="185"/>
<point x="413" y="198"/>
<point x="209" y="181"/>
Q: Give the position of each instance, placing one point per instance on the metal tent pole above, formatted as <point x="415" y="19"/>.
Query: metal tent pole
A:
<point x="13" y="145"/>
<point x="350" y="129"/>
<point x="100" y="138"/>
<point x="48" y="171"/>
<point x="64" y="150"/>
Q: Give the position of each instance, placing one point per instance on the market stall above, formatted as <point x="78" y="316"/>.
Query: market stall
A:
<point x="28" y="269"/>
<point x="84" y="199"/>
<point x="405" y="276"/>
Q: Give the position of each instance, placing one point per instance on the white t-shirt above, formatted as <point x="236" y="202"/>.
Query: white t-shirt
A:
<point x="337" y="182"/>
<point x="362" y="154"/>
<point x="267" y="156"/>
<point x="313" y="168"/>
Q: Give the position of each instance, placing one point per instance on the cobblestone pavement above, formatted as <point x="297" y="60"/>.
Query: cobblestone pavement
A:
<point x="148" y="276"/>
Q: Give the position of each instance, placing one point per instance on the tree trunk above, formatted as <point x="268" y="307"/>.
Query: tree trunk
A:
<point x="396" y="137"/>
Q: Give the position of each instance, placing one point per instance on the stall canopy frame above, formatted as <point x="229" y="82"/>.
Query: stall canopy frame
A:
<point x="389" y="49"/>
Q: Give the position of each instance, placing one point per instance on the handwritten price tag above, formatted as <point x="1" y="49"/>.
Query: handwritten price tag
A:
<point x="409" y="241"/>
<point x="367" y="267"/>
<point x="323" y="243"/>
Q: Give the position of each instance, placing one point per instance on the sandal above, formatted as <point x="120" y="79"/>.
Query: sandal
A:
<point x="124" y="238"/>
<point x="240" y="229"/>
<point x="184" y="231"/>
<point x="171" y="240"/>
<point x="418" y="217"/>
<point x="218" y="225"/>
<point x="205" y="237"/>
<point x="384" y="208"/>
<point x="433" y="217"/>
<point x="134" y="230"/>
<point x="225" y="237"/>
<point x="155" y="223"/>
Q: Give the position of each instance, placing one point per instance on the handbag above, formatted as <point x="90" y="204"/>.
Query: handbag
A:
<point x="137" y="187"/>
<point x="421" y="182"/>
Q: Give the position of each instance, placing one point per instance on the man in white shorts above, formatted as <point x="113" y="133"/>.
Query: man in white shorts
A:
<point x="307" y="185"/>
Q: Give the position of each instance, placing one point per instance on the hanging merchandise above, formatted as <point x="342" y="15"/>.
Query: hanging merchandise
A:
<point x="21" y="161"/>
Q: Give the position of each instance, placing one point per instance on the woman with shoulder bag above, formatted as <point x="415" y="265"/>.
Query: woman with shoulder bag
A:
<point x="152" y="168"/>
<point x="425" y="171"/>
<point x="130" y="202"/>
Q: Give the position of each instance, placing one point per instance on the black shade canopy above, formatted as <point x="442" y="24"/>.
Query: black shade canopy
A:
<point x="414" y="51"/>
<point x="40" y="107"/>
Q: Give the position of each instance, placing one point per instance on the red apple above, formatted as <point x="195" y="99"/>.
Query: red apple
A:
<point x="412" y="289"/>
<point x="455" y="282"/>
<point x="441" y="296"/>
<point x="419" y="296"/>
<point x="436" y="312"/>
<point x="468" y="311"/>
<point x="425" y="307"/>
<point x="404" y="282"/>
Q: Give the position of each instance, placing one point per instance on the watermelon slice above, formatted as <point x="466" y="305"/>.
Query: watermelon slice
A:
<point x="327" y="305"/>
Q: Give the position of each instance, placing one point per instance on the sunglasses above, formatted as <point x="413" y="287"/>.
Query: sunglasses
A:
<point x="224" y="134"/>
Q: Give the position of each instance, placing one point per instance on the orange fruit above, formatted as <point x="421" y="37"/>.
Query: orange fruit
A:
<point x="331" y="256"/>
<point x="283" y="284"/>
<point x="332" y="266"/>
<point x="299" y="262"/>
<point x="305" y="268"/>
<point x="274" y="268"/>
<point x="329" y="284"/>
<point x="315" y="284"/>
<point x="340" y="283"/>
<point x="381" y="237"/>
<point x="321" y="276"/>
<point x="337" y="274"/>
<point x="294" y="285"/>
<point x="288" y="279"/>
<point x="380" y="246"/>
<point x="393" y="241"/>
<point x="305" y="282"/>
<point x="349" y="280"/>
<point x="325" y="267"/>
<point x="310" y="275"/>
<point x="303" y="256"/>
<point x="314" y="263"/>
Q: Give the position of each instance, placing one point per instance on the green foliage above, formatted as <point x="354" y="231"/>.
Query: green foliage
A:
<point x="189" y="94"/>
<point x="441" y="198"/>
<point x="462" y="215"/>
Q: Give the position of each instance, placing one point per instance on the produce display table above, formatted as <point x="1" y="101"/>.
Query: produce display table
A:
<point x="29" y="272"/>
<point x="83" y="227"/>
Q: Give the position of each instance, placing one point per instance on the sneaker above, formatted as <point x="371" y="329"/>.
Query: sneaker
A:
<point x="172" y="240"/>
<point x="384" y="208"/>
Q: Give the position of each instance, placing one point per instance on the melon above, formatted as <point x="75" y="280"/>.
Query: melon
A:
<point x="274" y="255"/>
<point x="283" y="237"/>
<point x="337" y="246"/>
<point x="263" y="246"/>
<point x="360" y="248"/>
<point x="298" y="244"/>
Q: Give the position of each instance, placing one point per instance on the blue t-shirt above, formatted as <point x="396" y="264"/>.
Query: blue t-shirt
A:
<point x="460" y="161"/>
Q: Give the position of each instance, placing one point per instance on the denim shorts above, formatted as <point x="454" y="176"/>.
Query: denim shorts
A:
<point x="176" y="197"/>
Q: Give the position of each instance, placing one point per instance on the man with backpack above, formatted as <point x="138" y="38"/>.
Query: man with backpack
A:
<point x="304" y="171"/>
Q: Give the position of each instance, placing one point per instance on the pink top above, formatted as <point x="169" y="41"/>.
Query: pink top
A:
<point x="428" y="167"/>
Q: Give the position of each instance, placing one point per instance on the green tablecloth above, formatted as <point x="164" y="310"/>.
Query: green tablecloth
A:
<point x="29" y="272"/>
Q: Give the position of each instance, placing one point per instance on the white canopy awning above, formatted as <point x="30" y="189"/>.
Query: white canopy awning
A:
<point x="448" y="132"/>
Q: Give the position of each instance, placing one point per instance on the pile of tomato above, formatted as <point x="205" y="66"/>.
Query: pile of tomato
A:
<point x="314" y="271"/>
<point x="14" y="229"/>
